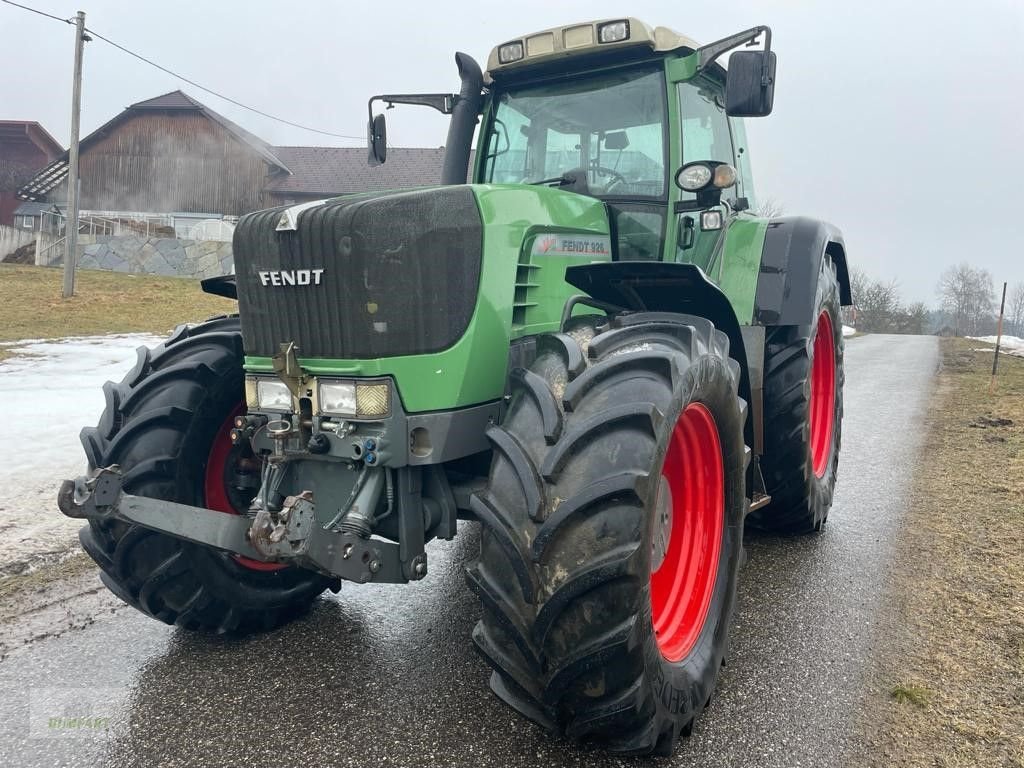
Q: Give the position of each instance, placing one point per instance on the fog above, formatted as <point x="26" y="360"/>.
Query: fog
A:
<point x="900" y="122"/>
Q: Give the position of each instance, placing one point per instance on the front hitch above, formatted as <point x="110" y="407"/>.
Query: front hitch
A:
<point x="289" y="535"/>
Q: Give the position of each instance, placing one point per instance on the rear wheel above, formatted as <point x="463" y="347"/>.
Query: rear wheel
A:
<point x="803" y="413"/>
<point x="612" y="531"/>
<point x="167" y="425"/>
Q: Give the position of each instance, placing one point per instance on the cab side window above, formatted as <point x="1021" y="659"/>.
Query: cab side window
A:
<point x="705" y="127"/>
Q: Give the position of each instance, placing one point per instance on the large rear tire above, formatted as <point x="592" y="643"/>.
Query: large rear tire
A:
<point x="612" y="531"/>
<point x="803" y="415"/>
<point x="166" y="425"/>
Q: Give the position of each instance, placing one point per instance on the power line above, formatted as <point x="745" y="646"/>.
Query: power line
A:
<point x="191" y="82"/>
<point x="41" y="13"/>
<point x="152" y="63"/>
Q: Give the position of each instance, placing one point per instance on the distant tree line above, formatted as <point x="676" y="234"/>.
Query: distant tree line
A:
<point x="968" y="305"/>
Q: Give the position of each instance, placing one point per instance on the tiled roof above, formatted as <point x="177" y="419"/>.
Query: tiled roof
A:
<point x="340" y="170"/>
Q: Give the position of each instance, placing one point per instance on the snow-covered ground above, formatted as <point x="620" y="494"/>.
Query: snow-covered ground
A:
<point x="49" y="390"/>
<point x="1009" y="345"/>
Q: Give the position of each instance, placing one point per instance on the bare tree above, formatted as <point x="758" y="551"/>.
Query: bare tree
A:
<point x="1015" y="309"/>
<point x="913" y="319"/>
<point x="770" y="208"/>
<point x="878" y="308"/>
<point x="967" y="295"/>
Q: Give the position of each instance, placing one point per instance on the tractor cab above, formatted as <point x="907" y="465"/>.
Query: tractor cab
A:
<point x="615" y="110"/>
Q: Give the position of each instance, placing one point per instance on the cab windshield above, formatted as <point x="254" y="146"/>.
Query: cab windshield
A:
<point x="609" y="127"/>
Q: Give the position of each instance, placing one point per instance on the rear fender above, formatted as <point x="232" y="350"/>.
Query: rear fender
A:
<point x="794" y="247"/>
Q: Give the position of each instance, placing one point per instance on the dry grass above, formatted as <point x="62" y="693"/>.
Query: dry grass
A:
<point x="949" y="686"/>
<point x="31" y="306"/>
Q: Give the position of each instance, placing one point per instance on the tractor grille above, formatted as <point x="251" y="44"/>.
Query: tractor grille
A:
<point x="400" y="275"/>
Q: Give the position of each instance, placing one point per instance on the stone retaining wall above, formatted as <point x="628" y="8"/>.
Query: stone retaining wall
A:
<point x="155" y="255"/>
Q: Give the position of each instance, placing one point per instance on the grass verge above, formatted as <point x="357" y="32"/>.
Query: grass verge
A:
<point x="31" y="306"/>
<point x="949" y="682"/>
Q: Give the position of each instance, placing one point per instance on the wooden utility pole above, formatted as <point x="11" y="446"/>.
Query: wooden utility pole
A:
<point x="999" y="339"/>
<point x="71" y="228"/>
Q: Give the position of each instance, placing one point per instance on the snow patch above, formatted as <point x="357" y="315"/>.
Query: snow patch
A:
<point x="50" y="389"/>
<point x="1009" y="345"/>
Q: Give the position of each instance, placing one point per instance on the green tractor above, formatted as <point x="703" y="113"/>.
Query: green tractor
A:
<point x="597" y="350"/>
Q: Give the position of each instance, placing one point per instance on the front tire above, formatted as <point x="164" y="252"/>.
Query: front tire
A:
<point x="609" y="433"/>
<point x="164" y="425"/>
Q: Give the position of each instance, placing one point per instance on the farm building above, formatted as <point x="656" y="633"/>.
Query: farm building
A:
<point x="25" y="147"/>
<point x="174" y="154"/>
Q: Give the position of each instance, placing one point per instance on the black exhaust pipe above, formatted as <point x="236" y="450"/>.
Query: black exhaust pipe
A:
<point x="464" y="118"/>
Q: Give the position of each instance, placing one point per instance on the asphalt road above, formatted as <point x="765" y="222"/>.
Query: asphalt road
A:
<point x="386" y="675"/>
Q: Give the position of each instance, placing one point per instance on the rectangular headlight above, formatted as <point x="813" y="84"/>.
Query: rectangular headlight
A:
<point x="354" y="399"/>
<point x="272" y="395"/>
<point x="510" y="52"/>
<point x="613" y="32"/>
<point x="337" y="398"/>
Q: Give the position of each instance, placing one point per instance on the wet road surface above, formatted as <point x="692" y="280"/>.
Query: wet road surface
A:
<point x="386" y="675"/>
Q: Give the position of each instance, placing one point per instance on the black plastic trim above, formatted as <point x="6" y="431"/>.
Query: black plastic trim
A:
<point x="224" y="285"/>
<point x="790" y="260"/>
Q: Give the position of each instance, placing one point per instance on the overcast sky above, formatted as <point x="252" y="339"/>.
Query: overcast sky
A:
<point x="899" y="121"/>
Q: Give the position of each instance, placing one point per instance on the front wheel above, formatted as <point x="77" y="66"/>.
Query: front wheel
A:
<point x="167" y="426"/>
<point x="612" y="530"/>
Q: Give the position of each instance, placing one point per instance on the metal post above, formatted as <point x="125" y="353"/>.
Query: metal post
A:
<point x="999" y="339"/>
<point x="71" y="239"/>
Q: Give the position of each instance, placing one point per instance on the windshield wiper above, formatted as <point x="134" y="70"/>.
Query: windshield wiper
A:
<point x="559" y="180"/>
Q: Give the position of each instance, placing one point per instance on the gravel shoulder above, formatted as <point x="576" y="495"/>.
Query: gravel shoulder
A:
<point x="947" y="686"/>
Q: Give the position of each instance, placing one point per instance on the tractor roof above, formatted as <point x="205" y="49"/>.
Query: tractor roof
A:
<point x="586" y="38"/>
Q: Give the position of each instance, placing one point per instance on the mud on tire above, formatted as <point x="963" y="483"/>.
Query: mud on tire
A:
<point x="159" y="425"/>
<point x="568" y="528"/>
<point x="801" y="497"/>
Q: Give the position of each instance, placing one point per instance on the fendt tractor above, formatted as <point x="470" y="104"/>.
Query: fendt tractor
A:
<point x="597" y="349"/>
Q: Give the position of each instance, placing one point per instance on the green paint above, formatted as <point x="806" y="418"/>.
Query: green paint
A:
<point x="742" y="261"/>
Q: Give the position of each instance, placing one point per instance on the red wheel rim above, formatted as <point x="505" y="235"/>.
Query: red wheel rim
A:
<point x="215" y="483"/>
<point x="823" y="394"/>
<point x="691" y="501"/>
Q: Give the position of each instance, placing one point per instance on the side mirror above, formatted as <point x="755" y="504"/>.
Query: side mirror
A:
<point x="377" y="140"/>
<point x="750" y="84"/>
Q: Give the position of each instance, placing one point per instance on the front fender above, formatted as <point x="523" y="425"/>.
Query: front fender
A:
<point x="658" y="286"/>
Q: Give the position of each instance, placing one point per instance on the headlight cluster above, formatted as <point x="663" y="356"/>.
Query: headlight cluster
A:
<point x="350" y="398"/>
<point x="695" y="177"/>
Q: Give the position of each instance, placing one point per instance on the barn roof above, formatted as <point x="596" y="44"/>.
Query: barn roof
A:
<point x="340" y="170"/>
<point x="175" y="101"/>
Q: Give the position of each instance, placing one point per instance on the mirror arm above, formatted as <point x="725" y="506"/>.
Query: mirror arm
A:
<point x="708" y="53"/>
<point x="442" y="102"/>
